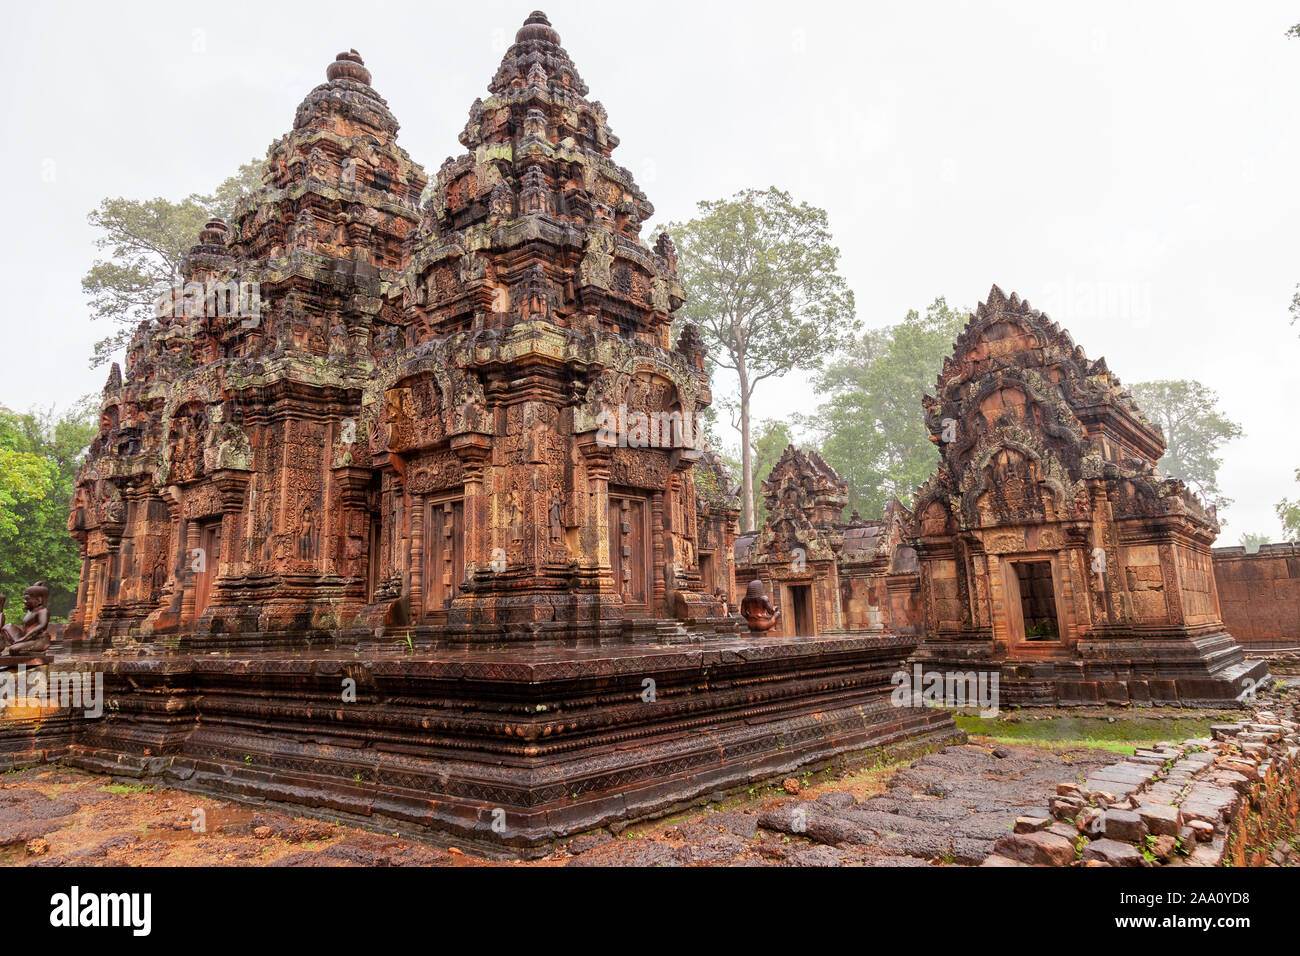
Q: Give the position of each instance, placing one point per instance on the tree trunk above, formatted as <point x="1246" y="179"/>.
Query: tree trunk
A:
<point x="746" y="454"/>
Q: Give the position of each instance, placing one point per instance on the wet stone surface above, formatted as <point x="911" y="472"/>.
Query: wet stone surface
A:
<point x="944" y="808"/>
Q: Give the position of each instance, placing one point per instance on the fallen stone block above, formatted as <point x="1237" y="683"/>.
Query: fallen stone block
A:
<point x="1160" y="819"/>
<point x="1124" y="825"/>
<point x="1112" y="852"/>
<point x="1032" y="824"/>
<point x="1164" y="847"/>
<point x="1038" y="848"/>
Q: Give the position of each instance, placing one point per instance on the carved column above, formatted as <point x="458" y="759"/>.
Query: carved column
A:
<point x="231" y="486"/>
<point x="475" y="451"/>
<point x="593" y="512"/>
<point x="416" y="586"/>
<point x="1173" y="584"/>
<point x="657" y="599"/>
<point x="352" y="485"/>
<point x="189" y="579"/>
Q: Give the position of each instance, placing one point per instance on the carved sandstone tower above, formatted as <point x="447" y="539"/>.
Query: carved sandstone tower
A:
<point x="223" y="494"/>
<point x="470" y="423"/>
<point x="535" y="316"/>
<point x="1050" y="547"/>
<point x="456" y="524"/>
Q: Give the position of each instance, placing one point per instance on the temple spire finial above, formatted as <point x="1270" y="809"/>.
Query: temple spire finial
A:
<point x="537" y="27"/>
<point x="348" y="65"/>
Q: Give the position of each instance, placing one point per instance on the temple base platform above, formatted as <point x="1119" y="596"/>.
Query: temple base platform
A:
<point x="1205" y="670"/>
<point x="507" y="749"/>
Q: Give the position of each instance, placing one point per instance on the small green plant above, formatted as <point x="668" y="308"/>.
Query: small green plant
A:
<point x="248" y="760"/>
<point x="1149" y="849"/>
<point x="125" y="788"/>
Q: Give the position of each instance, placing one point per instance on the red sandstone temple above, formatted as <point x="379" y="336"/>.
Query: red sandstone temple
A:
<point x="1046" y="546"/>
<point x="399" y="512"/>
<point x="409" y="432"/>
<point x="427" y="480"/>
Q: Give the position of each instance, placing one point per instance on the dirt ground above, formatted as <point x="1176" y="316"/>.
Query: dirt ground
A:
<point x="945" y="808"/>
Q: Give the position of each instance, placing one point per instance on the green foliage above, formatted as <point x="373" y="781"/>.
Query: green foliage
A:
<point x="145" y="241"/>
<point x="1194" y="428"/>
<point x="1252" y="542"/>
<point x="872" y="428"/>
<point x="222" y="202"/>
<point x="39" y="456"/>
<point x="771" y="438"/>
<point x="760" y="273"/>
<point x="1288" y="512"/>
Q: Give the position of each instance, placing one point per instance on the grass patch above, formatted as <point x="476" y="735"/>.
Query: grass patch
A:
<point x="123" y="788"/>
<point x="1087" y="731"/>
<point x="1116" y="746"/>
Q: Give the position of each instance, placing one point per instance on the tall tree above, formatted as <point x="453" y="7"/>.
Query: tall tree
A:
<point x="1194" y="428"/>
<point x="872" y="428"/>
<point x="761" y="279"/>
<point x="39" y="456"/>
<point x="146" y="241"/>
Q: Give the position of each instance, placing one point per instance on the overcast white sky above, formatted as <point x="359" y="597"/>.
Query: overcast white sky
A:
<point x="1131" y="169"/>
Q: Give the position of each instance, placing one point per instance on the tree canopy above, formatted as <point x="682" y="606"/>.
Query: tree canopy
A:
<point x="144" y="242"/>
<point x="760" y="273"/>
<point x="39" y="456"/>
<point x="872" y="427"/>
<point x="1195" y="429"/>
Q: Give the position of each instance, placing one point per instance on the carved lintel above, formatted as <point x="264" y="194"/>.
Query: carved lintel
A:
<point x="473" y="448"/>
<point x="231" y="486"/>
<point x="353" y="484"/>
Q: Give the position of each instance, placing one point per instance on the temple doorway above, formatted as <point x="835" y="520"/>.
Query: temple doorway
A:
<point x="708" y="579"/>
<point x="629" y="551"/>
<point x="1036" y="589"/>
<point x="444" y="554"/>
<point x="210" y="550"/>
<point x="801" y="610"/>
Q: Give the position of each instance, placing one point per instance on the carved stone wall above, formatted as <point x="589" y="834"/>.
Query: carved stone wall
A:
<point x="357" y="411"/>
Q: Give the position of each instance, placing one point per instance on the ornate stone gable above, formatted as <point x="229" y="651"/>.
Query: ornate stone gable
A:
<point x="1022" y="417"/>
<point x="805" y="498"/>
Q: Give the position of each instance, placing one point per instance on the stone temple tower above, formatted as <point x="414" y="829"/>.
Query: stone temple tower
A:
<point x="464" y="418"/>
<point x="445" y="460"/>
<point x="535" y="313"/>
